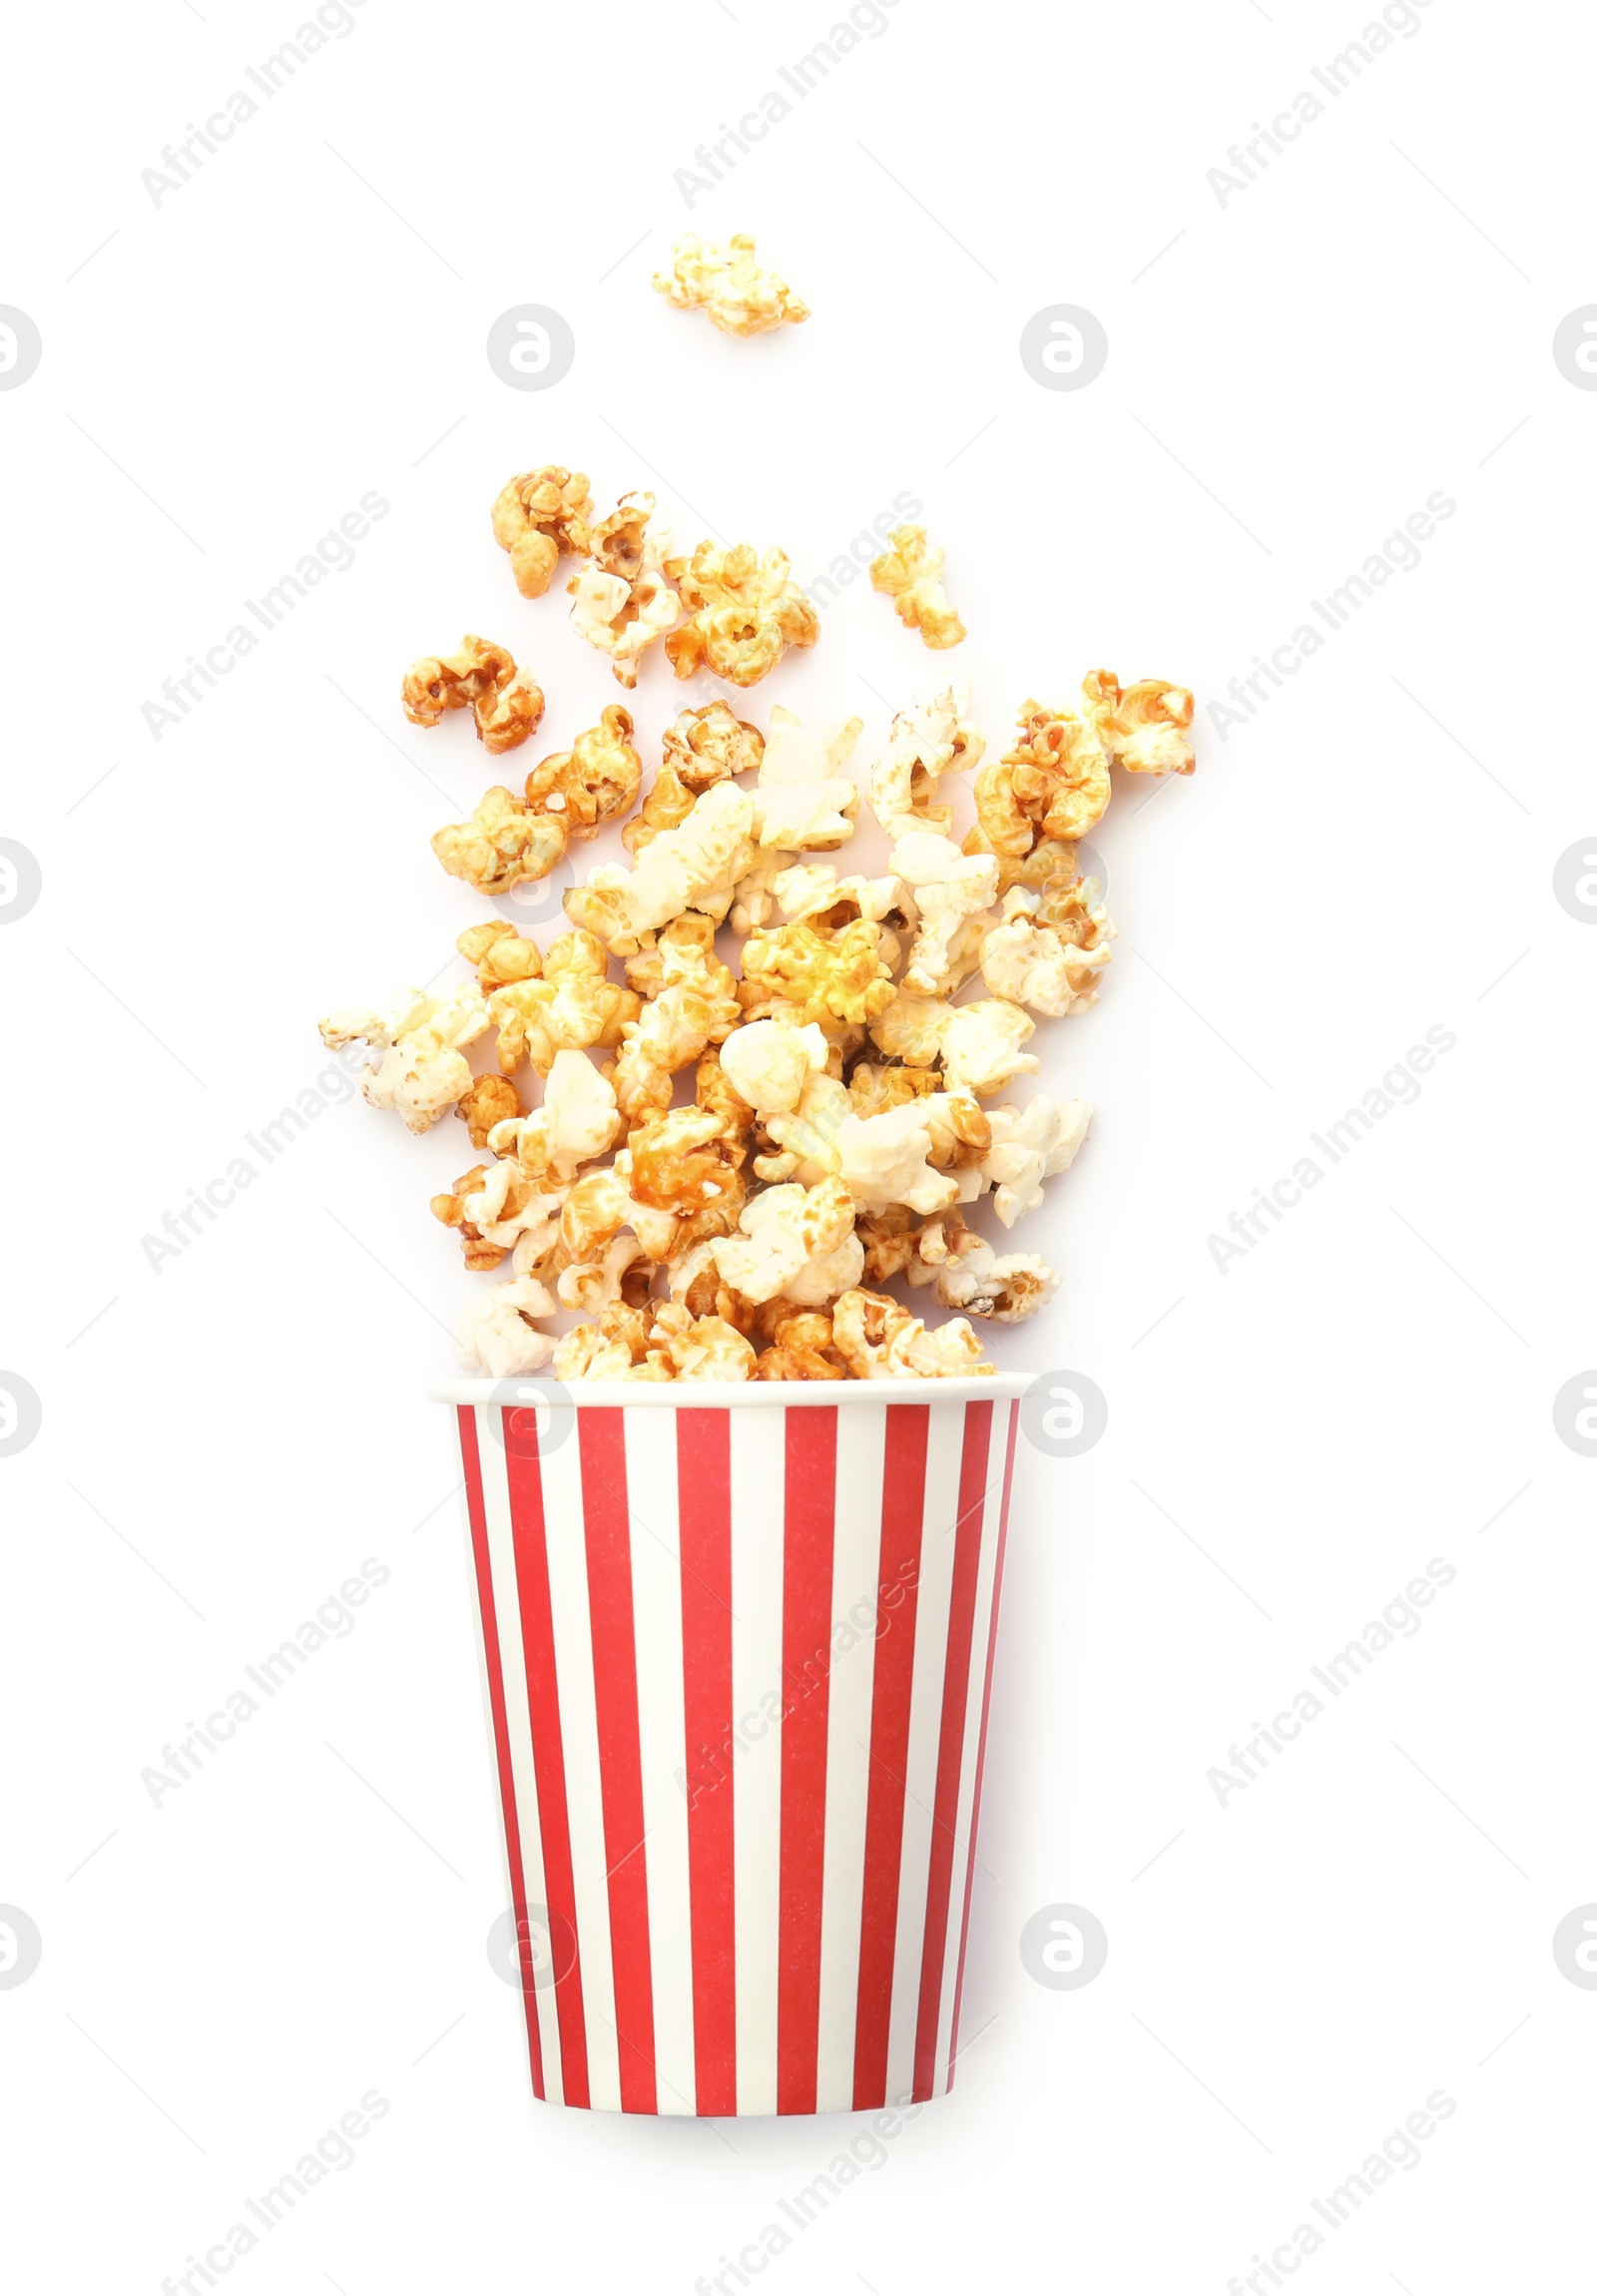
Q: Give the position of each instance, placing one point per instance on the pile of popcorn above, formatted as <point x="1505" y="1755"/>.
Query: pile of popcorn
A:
<point x="729" y="1157"/>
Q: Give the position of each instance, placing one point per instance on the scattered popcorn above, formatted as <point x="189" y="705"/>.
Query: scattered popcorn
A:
<point x="911" y="575"/>
<point x="933" y="736"/>
<point x="744" y="610"/>
<point x="482" y="678"/>
<point x="623" y="600"/>
<point x="536" y="517"/>
<point x="1049" y="951"/>
<point x="841" y="1124"/>
<point x="497" y="1334"/>
<point x="423" y="1071"/>
<point x="1144" y="728"/>
<point x="728" y="285"/>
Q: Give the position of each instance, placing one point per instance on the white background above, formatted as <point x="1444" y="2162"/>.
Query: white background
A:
<point x="1291" y="1438"/>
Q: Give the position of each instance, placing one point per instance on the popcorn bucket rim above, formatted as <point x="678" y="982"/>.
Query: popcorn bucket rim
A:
<point x="722" y="1395"/>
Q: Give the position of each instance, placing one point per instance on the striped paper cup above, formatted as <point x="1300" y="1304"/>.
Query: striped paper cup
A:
<point x="737" y="1645"/>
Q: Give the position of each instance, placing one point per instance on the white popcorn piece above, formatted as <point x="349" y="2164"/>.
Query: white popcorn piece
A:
<point x="1030" y="1145"/>
<point x="578" y="1121"/>
<point x="768" y="1065"/>
<point x="1030" y="961"/>
<point x="696" y="866"/>
<point x="884" y="1159"/>
<point x="951" y="1352"/>
<point x="803" y="801"/>
<point x="531" y="1230"/>
<point x="970" y="1275"/>
<point x="621" y="600"/>
<point x="796" y="1242"/>
<point x="951" y="890"/>
<point x="931" y="736"/>
<point x="422" y="1072"/>
<point x="496" y="1334"/>
<point x="982" y="1046"/>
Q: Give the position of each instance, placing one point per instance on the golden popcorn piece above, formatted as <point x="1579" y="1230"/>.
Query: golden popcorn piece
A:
<point x="728" y="287"/>
<point x="423" y="1071"/>
<point x="621" y="599"/>
<point x="815" y="975"/>
<point x="497" y="1333"/>
<point x="744" y="610"/>
<point x="1054" y="784"/>
<point x="1048" y="950"/>
<point x="930" y="738"/>
<point x="694" y="866"/>
<point x="571" y="1006"/>
<point x="802" y="1346"/>
<point x="701" y="1346"/>
<point x="683" y="1161"/>
<point x="595" y="780"/>
<point x="702" y="747"/>
<point x="911" y="575"/>
<point x="1143" y="728"/>
<point x="490" y="1102"/>
<point x="499" y="953"/>
<point x="504" y="844"/>
<point x="499" y="1208"/>
<point x="694" y="1006"/>
<point x="504" y="701"/>
<point x="538" y="516"/>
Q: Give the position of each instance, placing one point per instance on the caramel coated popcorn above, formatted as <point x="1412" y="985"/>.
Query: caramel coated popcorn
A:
<point x="504" y="701"/>
<point x="752" y="1091"/>
<point x="744" y="610"/>
<point x="537" y="517"/>
<point x="728" y="285"/>
<point x="911" y="575"/>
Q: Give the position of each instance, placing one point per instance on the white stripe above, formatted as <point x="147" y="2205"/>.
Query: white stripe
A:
<point x="662" y="1732"/>
<point x="507" y="1611"/>
<point x="759" y="1479"/>
<point x="943" y="1447"/>
<point x="855" y="1613"/>
<point x="579" y="1731"/>
<point x="964" y="1846"/>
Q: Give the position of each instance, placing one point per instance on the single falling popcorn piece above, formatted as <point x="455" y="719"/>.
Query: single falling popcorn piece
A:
<point x="497" y="1333"/>
<point x="744" y="610"/>
<point x="622" y="600"/>
<point x="537" y="517"/>
<point x="1143" y="728"/>
<point x="504" y="701"/>
<point x="933" y="736"/>
<point x="423" y="1071"/>
<point x="1031" y="1145"/>
<point x="911" y="575"/>
<point x="1048" y="951"/>
<point x="728" y="287"/>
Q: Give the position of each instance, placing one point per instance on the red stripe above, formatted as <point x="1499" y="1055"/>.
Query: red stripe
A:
<point x="607" y="1532"/>
<point x="809" y="1511"/>
<point x="490" y="1620"/>
<point x="703" y="1513"/>
<point x="903" y="1494"/>
<point x="973" y="1465"/>
<point x="525" y="1482"/>
<point x="981" y="1742"/>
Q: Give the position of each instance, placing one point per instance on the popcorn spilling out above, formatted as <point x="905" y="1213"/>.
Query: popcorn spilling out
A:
<point x="481" y="678"/>
<point x="748" y="1088"/>
<point x="911" y="575"/>
<point x="728" y="285"/>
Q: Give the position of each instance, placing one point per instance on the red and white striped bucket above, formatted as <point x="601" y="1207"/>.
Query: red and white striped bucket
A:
<point x="737" y="1651"/>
